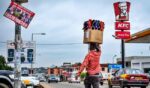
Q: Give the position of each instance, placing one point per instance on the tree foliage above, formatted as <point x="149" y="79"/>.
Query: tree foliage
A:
<point x="3" y="65"/>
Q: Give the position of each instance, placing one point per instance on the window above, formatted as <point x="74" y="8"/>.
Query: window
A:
<point x="103" y="69"/>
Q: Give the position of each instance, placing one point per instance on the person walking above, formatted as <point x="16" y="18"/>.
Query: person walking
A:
<point x="91" y="63"/>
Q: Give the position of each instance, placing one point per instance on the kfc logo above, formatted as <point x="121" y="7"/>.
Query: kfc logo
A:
<point x="122" y="11"/>
<point x="122" y="25"/>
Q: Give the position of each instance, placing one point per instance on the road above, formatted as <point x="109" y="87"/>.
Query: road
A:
<point x="72" y="85"/>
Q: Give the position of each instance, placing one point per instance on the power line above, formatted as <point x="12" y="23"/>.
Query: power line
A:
<point x="61" y="44"/>
<point x="51" y="43"/>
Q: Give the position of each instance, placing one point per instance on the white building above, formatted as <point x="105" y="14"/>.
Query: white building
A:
<point x="139" y="62"/>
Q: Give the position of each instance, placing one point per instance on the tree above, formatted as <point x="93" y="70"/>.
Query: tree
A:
<point x="3" y="65"/>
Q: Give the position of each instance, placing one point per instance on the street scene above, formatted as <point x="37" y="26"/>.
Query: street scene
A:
<point x="74" y="44"/>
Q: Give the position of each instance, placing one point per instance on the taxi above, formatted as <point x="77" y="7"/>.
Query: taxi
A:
<point x="127" y="78"/>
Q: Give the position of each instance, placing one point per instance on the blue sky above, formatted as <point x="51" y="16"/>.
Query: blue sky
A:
<point x="62" y="21"/>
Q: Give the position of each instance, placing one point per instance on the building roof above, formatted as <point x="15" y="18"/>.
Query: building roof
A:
<point x="140" y="37"/>
<point x="129" y="58"/>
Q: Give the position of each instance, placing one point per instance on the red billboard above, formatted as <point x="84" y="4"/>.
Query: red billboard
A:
<point x="122" y="25"/>
<point x="122" y="11"/>
<point x="122" y="34"/>
<point x="19" y="14"/>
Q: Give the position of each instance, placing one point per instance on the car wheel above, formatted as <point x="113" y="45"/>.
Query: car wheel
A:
<point x="101" y="83"/>
<point x="121" y="85"/>
<point x="128" y="86"/>
<point x="2" y="85"/>
<point x="109" y="84"/>
<point x="143" y="86"/>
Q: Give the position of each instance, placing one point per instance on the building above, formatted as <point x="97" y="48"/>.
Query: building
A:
<point x="139" y="62"/>
<point x="54" y="70"/>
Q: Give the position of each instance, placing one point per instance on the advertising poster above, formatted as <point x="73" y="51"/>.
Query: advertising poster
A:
<point x="19" y="14"/>
<point x="122" y="11"/>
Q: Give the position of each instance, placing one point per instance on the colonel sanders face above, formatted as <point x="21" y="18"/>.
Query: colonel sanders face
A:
<point x="123" y="8"/>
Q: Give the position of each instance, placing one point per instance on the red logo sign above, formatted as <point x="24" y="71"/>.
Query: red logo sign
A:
<point x="19" y="14"/>
<point x="122" y="34"/>
<point x="122" y="11"/>
<point x="122" y="25"/>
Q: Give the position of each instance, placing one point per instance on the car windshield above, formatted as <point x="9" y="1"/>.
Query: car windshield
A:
<point x="134" y="71"/>
<point x="52" y="76"/>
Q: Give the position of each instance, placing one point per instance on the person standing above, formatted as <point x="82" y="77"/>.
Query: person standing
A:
<point x="91" y="63"/>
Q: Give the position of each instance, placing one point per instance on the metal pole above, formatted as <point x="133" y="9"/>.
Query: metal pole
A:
<point x="123" y="52"/>
<point x="18" y="41"/>
<point x="32" y="61"/>
<point x="35" y="55"/>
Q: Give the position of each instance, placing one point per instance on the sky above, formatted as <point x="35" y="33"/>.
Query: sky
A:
<point x="62" y="21"/>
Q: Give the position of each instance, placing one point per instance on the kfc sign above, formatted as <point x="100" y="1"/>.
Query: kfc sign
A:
<point x="19" y="14"/>
<point x="122" y="11"/>
<point x="122" y="35"/>
<point x="122" y="25"/>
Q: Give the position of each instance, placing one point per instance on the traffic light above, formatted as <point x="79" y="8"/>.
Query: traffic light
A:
<point x="30" y="55"/>
<point x="11" y="55"/>
<point x="22" y="58"/>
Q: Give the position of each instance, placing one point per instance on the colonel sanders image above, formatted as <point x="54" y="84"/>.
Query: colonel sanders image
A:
<point x="122" y="11"/>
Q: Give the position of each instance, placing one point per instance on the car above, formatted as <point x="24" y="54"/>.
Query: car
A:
<point x="53" y="78"/>
<point x="42" y="79"/>
<point x="128" y="77"/>
<point x="6" y="79"/>
<point x="101" y="80"/>
<point x="74" y="78"/>
<point x="105" y="75"/>
<point x="30" y="81"/>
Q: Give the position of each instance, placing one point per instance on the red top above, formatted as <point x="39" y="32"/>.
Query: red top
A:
<point x="91" y="63"/>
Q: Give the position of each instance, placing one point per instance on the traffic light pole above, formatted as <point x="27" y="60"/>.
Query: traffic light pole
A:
<point x="18" y="41"/>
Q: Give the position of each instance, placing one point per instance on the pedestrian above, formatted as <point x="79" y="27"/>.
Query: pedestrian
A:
<point x="91" y="63"/>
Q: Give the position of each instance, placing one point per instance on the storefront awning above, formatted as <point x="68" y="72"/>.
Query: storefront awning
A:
<point x="140" y="37"/>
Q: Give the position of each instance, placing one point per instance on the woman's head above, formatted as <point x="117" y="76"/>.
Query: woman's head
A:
<point x="95" y="46"/>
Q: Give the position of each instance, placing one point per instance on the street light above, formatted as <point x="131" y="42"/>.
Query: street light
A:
<point x="37" y="34"/>
<point x="114" y="58"/>
<point x="32" y="41"/>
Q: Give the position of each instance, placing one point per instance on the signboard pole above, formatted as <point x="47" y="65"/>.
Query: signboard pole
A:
<point x="18" y="41"/>
<point x="122" y="15"/>
<point x="122" y="52"/>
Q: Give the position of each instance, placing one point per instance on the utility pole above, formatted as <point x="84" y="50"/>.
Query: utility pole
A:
<point x="18" y="41"/>
<point x="18" y="47"/>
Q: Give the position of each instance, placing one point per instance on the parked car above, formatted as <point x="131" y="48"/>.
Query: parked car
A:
<point x="128" y="78"/>
<point x="53" y="78"/>
<point x="101" y="78"/>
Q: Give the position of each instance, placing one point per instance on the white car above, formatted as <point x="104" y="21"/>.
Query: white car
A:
<point x="30" y="81"/>
<point x="74" y="79"/>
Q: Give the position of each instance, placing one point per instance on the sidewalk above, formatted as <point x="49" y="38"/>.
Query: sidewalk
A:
<point x="44" y="85"/>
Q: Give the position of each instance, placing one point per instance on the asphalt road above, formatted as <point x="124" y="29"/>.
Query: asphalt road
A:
<point x="72" y="85"/>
